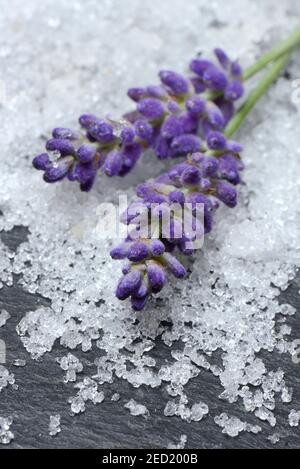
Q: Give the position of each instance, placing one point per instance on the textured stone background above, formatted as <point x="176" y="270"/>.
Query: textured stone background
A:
<point x="41" y="393"/>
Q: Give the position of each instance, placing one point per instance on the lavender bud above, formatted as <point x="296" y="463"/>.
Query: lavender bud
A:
<point x="136" y="93"/>
<point x="102" y="131"/>
<point x="216" y="141"/>
<point x="195" y="106"/>
<point x="137" y="252"/>
<point x="215" y="79"/>
<point x="199" y="66"/>
<point x="162" y="148"/>
<point x="151" y="108"/>
<point x="86" y="120"/>
<point x="61" y="132"/>
<point x="119" y="252"/>
<point x="157" y="247"/>
<point x="178" y="84"/>
<point x="186" y="144"/>
<point x="174" y="265"/>
<point x="86" y="153"/>
<point x="177" y="197"/>
<point x="113" y="163"/>
<point x="143" y="129"/>
<point x="234" y="90"/>
<point x="222" y="58"/>
<point x="63" y="146"/>
<point x="191" y="176"/>
<point x="42" y="162"/>
<point x="127" y="135"/>
<point x="59" y="170"/>
<point x="172" y="127"/>
<point x="129" y="284"/>
<point x="226" y="193"/>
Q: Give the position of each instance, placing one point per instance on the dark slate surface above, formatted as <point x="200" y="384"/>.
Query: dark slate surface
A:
<point x="42" y="393"/>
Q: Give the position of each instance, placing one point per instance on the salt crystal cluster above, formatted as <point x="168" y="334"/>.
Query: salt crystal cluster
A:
<point x="225" y="317"/>
<point x="5" y="434"/>
<point x="71" y="365"/>
<point x="54" y="425"/>
<point x="88" y="391"/>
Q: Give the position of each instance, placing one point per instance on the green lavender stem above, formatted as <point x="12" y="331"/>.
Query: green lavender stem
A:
<point x="256" y="94"/>
<point x="278" y="51"/>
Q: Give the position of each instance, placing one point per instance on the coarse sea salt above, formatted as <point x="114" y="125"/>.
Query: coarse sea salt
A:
<point x="229" y="303"/>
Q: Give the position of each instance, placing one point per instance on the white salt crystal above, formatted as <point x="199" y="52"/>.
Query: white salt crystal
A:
<point x="294" y="418"/>
<point x="115" y="397"/>
<point x="54" y="425"/>
<point x="137" y="409"/>
<point x="275" y="438"/>
<point x="19" y="362"/>
<point x="5" y="434"/>
<point x="71" y="365"/>
<point x="4" y="316"/>
<point x="6" y="378"/>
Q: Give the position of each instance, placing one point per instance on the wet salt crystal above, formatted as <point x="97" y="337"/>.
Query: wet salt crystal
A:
<point x="4" y="316"/>
<point x="115" y="397"/>
<point x="294" y="418"/>
<point x="137" y="409"/>
<point x="180" y="445"/>
<point x="54" y="425"/>
<point x="6" y="378"/>
<point x="19" y="362"/>
<point x="5" y="434"/>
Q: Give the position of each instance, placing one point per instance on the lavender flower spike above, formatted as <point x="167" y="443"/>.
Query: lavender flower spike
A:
<point x="170" y="118"/>
<point x="207" y="178"/>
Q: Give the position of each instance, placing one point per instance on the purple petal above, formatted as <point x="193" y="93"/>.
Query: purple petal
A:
<point x="216" y="141"/>
<point x="151" y="108"/>
<point x="185" y="144"/>
<point x="174" y="265"/>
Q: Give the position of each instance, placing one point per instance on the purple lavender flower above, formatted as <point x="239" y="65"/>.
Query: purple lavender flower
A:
<point x="173" y="118"/>
<point x="188" y="188"/>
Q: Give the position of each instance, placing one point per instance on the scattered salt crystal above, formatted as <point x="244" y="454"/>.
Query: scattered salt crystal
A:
<point x="5" y="434"/>
<point x="294" y="418"/>
<point x="6" y="378"/>
<point x="136" y="409"/>
<point x="275" y="438"/>
<point x="4" y="316"/>
<point x="19" y="362"/>
<point x="180" y="445"/>
<point x="115" y="397"/>
<point x="54" y="425"/>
